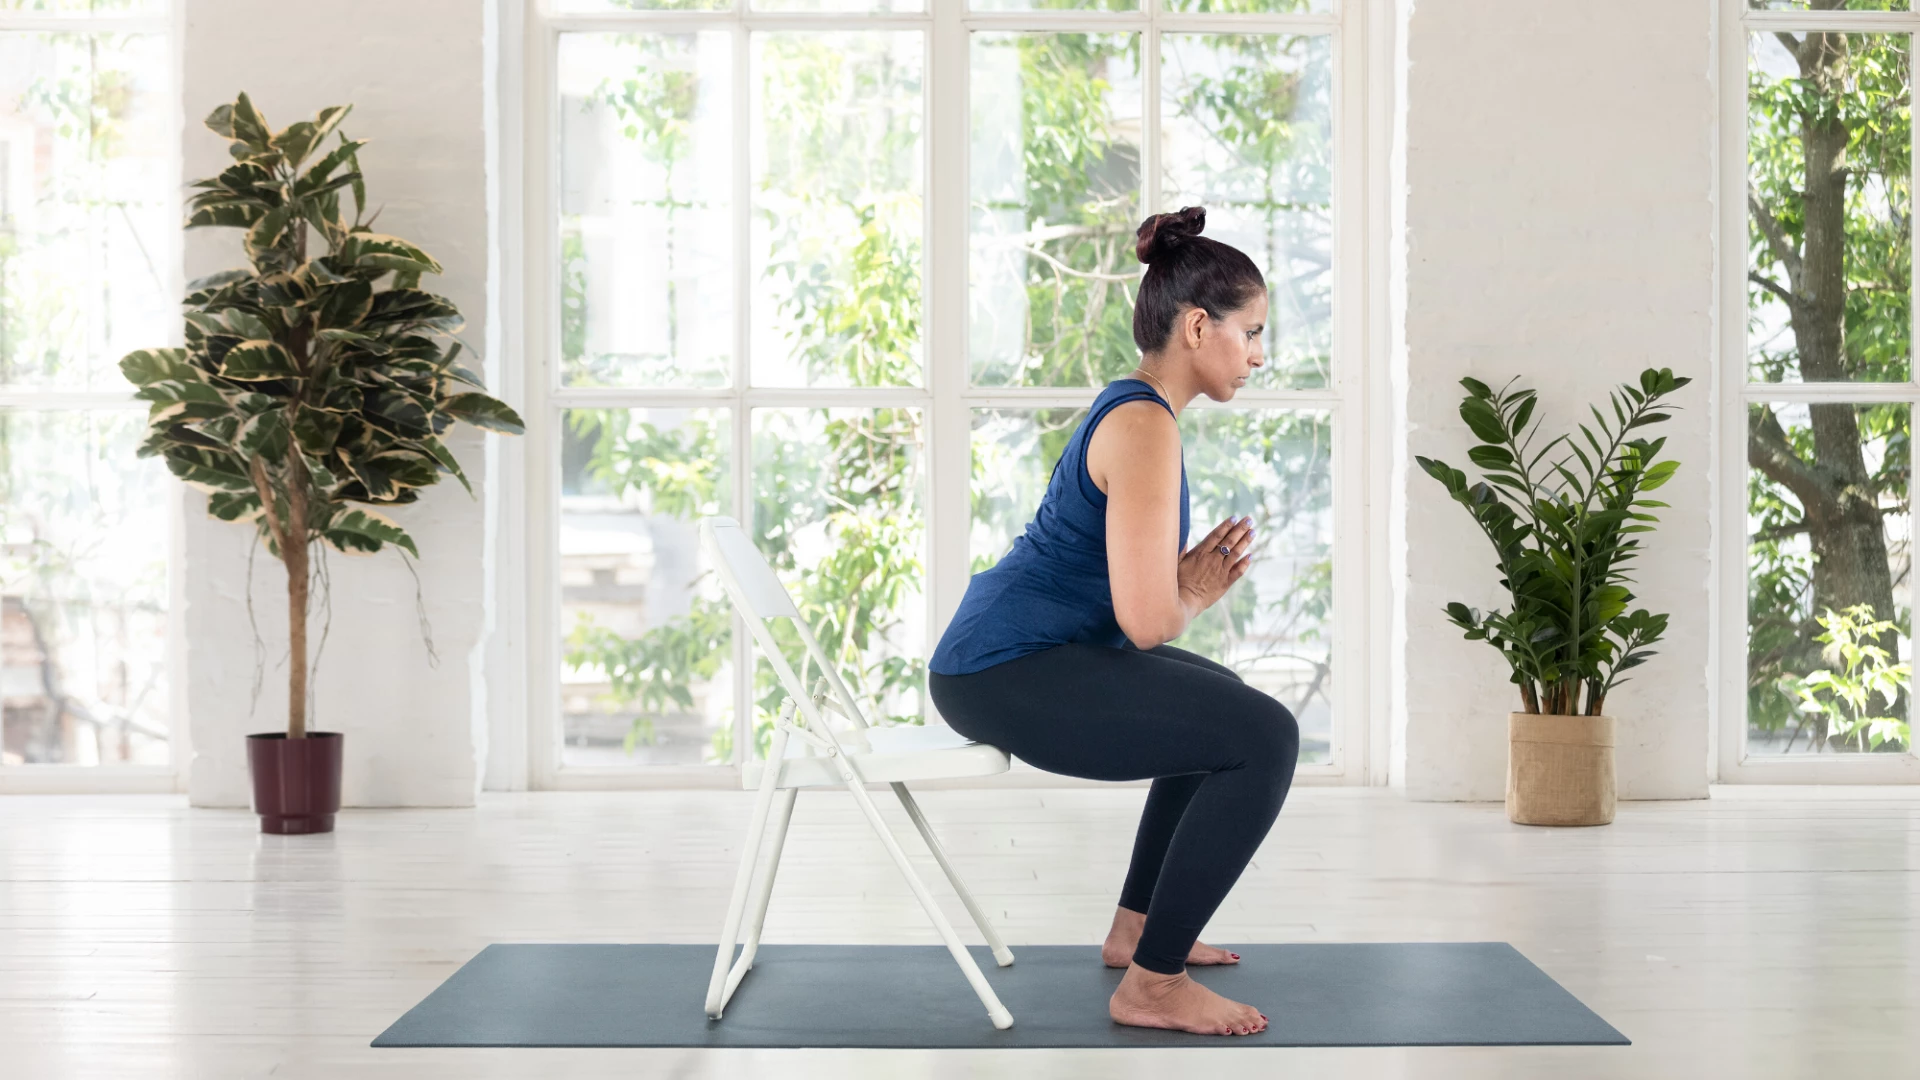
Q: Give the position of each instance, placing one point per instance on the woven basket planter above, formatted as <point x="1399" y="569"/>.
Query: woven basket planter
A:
<point x="1559" y="769"/>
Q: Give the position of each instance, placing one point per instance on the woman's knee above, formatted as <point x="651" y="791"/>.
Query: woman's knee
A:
<point x="1276" y="737"/>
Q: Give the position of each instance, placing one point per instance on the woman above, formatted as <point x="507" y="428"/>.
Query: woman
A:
<point x="1058" y="653"/>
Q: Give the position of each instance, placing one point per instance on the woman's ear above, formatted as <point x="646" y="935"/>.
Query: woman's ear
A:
<point x="1193" y="326"/>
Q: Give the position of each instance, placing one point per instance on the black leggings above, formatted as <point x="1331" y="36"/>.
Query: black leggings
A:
<point x="1222" y="755"/>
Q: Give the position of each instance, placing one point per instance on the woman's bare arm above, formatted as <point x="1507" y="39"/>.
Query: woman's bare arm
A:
<point x="1134" y="457"/>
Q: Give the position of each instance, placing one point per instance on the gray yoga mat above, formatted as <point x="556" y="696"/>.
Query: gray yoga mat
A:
<point x="914" y="996"/>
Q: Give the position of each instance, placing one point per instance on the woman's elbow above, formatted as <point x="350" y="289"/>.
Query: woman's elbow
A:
<point x="1148" y="632"/>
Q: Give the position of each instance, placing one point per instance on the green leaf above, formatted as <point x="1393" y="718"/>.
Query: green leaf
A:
<point x="316" y="431"/>
<point x="208" y="469"/>
<point x="1482" y="420"/>
<point x="444" y="457"/>
<point x="357" y="531"/>
<point x="268" y="231"/>
<point x="263" y="436"/>
<point x="245" y="123"/>
<point x="483" y="411"/>
<point x="232" y="215"/>
<point x="255" y="361"/>
<point x="234" y="505"/>
<point x="387" y="253"/>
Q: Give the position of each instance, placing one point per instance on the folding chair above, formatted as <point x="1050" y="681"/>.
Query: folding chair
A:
<point x="808" y="752"/>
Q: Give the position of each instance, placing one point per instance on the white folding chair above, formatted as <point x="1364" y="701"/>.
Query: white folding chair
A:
<point x="808" y="752"/>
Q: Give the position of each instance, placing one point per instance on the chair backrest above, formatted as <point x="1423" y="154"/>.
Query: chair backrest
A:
<point x="743" y="568"/>
<point x="754" y="589"/>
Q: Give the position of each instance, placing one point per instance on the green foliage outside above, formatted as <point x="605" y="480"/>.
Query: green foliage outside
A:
<point x="840" y="220"/>
<point x="1829" y="288"/>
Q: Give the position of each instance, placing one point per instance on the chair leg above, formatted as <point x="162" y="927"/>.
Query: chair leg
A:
<point x="1002" y="1019"/>
<point x="763" y="891"/>
<point x="1001" y="954"/>
<point x="720" y="987"/>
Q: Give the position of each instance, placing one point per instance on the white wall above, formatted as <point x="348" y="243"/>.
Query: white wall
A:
<point x="1559" y="227"/>
<point x="414" y="72"/>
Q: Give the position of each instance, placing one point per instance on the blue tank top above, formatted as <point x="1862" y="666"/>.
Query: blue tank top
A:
<point x="1052" y="586"/>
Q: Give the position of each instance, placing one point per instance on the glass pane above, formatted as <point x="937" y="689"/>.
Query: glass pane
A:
<point x="898" y="6"/>
<point x="1276" y="626"/>
<point x="640" y="5"/>
<point x="86" y="7"/>
<point x="1833" y="243"/>
<point x="1251" y="7"/>
<point x="837" y="120"/>
<point x="646" y="633"/>
<point x="1829" y="5"/>
<point x="89" y="214"/>
<point x="1053" y="5"/>
<point x="83" y="591"/>
<point x="839" y="511"/>
<point x="1013" y="455"/>
<point x="1055" y="200"/>
<point x="646" y="249"/>
<point x="1248" y="123"/>
<point x="1829" y="578"/>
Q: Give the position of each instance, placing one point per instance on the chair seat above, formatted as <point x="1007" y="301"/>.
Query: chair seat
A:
<point x="900" y="753"/>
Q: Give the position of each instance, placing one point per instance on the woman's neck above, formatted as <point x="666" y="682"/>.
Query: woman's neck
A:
<point x="1175" y="383"/>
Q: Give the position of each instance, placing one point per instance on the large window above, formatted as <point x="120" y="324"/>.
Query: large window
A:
<point x="850" y="271"/>
<point x="1820" y="392"/>
<point x="88" y="217"/>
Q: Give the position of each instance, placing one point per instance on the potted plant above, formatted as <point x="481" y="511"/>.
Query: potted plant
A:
<point x="1563" y="532"/>
<point x="314" y="388"/>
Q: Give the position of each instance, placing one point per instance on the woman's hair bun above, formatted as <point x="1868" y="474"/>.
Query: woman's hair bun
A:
<point x="1161" y="233"/>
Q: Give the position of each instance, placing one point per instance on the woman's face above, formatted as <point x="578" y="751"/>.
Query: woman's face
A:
<point x="1229" y="349"/>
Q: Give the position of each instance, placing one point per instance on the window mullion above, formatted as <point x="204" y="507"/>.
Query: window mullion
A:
<point x="742" y="430"/>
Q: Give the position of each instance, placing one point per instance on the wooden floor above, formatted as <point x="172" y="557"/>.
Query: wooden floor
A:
<point x="1727" y="938"/>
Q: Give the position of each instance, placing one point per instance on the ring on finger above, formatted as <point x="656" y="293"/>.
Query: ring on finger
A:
<point x="1225" y="550"/>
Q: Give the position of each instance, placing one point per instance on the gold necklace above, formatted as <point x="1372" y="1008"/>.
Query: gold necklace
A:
<point x="1156" y="382"/>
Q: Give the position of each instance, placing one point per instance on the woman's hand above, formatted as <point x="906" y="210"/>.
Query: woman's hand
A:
<point x="1210" y="567"/>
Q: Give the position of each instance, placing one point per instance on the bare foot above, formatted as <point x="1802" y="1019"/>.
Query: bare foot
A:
<point x="1117" y="952"/>
<point x="1150" y="999"/>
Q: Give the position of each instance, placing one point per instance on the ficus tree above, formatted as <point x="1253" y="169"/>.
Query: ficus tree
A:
<point x="1562" y="529"/>
<point x="316" y="384"/>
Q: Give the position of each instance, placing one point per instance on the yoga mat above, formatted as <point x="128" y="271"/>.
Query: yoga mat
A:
<point x="914" y="996"/>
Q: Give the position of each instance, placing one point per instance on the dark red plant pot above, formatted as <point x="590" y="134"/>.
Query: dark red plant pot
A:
<point x="296" y="782"/>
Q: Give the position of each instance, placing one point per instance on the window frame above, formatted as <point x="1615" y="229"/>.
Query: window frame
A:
<point x="171" y="778"/>
<point x="1735" y="392"/>
<point x="1362" y="104"/>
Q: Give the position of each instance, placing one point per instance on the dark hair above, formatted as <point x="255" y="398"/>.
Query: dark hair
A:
<point x="1185" y="269"/>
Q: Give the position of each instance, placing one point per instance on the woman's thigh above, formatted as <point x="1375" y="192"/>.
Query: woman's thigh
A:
<point x="1117" y="714"/>
<point x="1195" y="659"/>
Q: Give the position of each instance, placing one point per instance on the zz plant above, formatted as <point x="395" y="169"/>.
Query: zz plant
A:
<point x="1563" y="534"/>
<point x="315" y="386"/>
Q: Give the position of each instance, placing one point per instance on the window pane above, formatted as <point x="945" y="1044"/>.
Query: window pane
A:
<point x="839" y="511"/>
<point x="1055" y="200"/>
<point x="83" y="591"/>
<point x="1248" y="133"/>
<point x="1834" y="243"/>
<point x="837" y="208"/>
<point x="646" y="631"/>
<point x="1053" y="5"/>
<point x="570" y="6"/>
<point x="646" y="249"/>
<point x="1013" y="455"/>
<point x="897" y="6"/>
<point x="1829" y="600"/>
<point x="1275" y="627"/>
<point x="1844" y="5"/>
<point x="85" y="7"/>
<point x="1251" y="7"/>
<point x="88" y="212"/>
